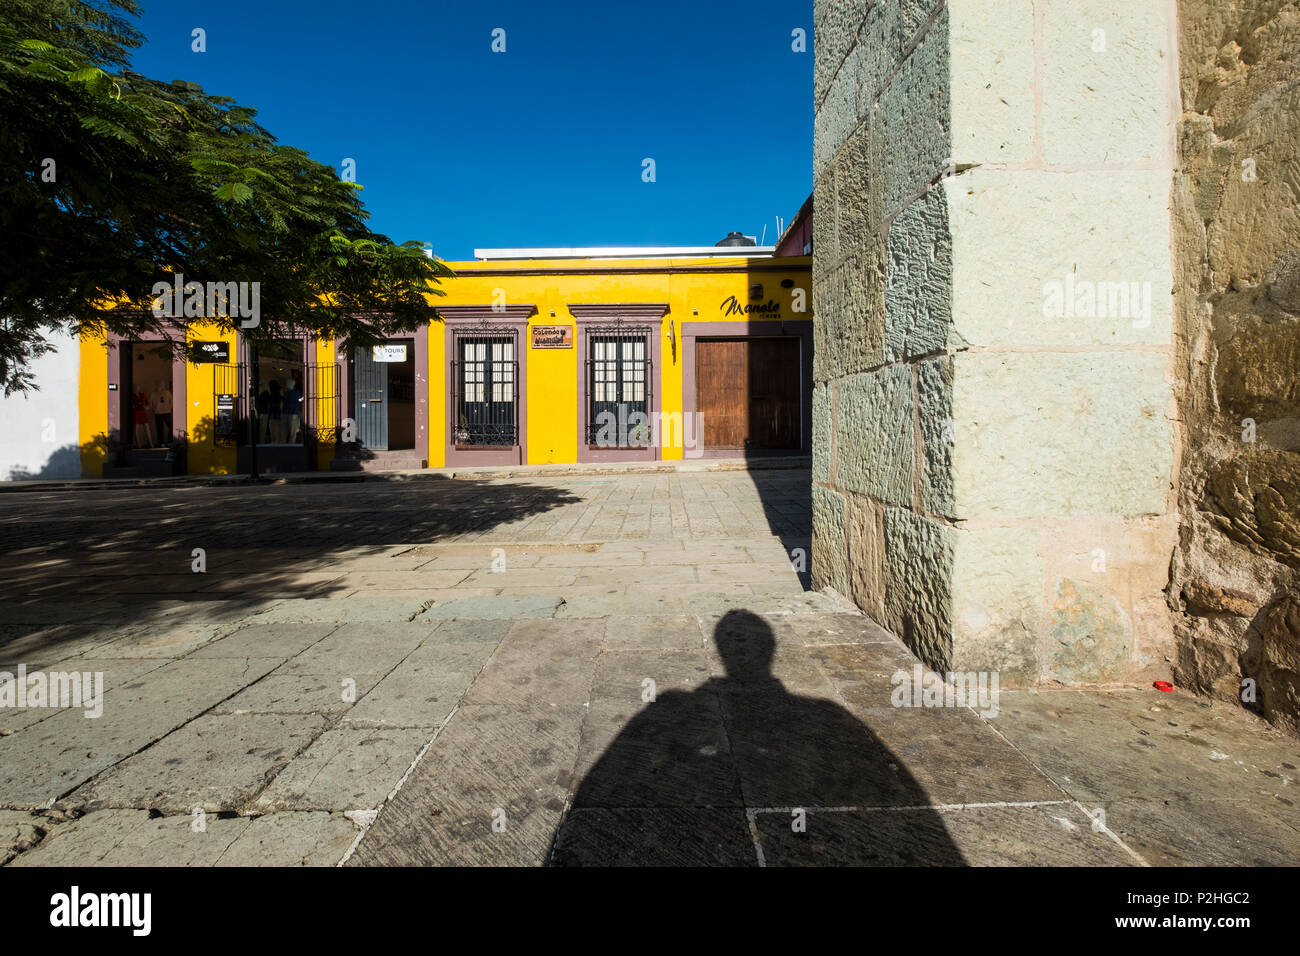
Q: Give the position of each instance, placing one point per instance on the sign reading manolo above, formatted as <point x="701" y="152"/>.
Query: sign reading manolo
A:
<point x="771" y="309"/>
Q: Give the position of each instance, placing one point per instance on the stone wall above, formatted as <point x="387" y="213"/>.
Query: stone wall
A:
<point x="1236" y="573"/>
<point x="994" y="418"/>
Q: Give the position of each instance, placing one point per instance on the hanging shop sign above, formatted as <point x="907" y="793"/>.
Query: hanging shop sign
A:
<point x="217" y="352"/>
<point x="389" y="353"/>
<point x="552" y="336"/>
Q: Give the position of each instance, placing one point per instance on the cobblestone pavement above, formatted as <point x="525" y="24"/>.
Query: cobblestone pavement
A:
<point x="622" y="669"/>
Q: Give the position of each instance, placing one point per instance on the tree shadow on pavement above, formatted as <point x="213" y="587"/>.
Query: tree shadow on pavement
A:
<point x="80" y="562"/>
<point x="718" y="774"/>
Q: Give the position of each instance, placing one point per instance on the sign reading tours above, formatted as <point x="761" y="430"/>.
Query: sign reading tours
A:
<point x="390" y="353"/>
<point x="217" y="352"/>
<point x="552" y="336"/>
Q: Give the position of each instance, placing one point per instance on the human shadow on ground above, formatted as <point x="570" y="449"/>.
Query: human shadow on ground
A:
<point x="716" y="775"/>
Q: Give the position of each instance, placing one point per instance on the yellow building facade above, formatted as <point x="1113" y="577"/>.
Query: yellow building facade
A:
<point x="541" y="360"/>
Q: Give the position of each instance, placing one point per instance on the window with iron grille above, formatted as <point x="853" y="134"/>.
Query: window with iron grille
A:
<point x="618" y="387"/>
<point x="486" y="406"/>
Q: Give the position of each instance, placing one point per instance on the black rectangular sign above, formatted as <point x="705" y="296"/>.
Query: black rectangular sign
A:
<point x="218" y="352"/>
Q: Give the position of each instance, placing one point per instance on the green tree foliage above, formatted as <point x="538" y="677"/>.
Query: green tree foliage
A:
<point x="113" y="182"/>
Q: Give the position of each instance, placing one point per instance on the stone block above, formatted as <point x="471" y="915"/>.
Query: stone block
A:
<point x="918" y="584"/>
<point x="915" y="119"/>
<point x="1106" y="88"/>
<point x="874" y="435"/>
<point x="997" y="597"/>
<point x="918" y="288"/>
<point x="938" y="434"/>
<point x="1061" y="434"/>
<point x="992" y="50"/>
<point x="821" y="423"/>
<point x="829" y="556"/>
<point x="864" y="524"/>
<point x="1060" y="259"/>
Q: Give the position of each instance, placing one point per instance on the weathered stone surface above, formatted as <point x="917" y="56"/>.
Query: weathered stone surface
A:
<point x="918" y="582"/>
<point x="1276" y="659"/>
<point x="1054" y="435"/>
<point x="828" y="542"/>
<point x="1090" y="635"/>
<point x="1024" y="276"/>
<point x="1107" y="105"/>
<point x="291" y="839"/>
<point x="918" y="296"/>
<point x="847" y="303"/>
<point x="18" y="832"/>
<point x="1202" y="597"/>
<point x="1256" y="374"/>
<point x="915" y="120"/>
<point x="874" y="435"/>
<point x="217" y="762"/>
<point x="997" y="597"/>
<point x="821" y="420"/>
<point x="1256" y="500"/>
<point x="1200" y="784"/>
<point x="344" y="769"/>
<point x="992" y="50"/>
<point x="934" y="381"/>
<point x="53" y="757"/>
<point x="1238" y="228"/>
<point x="866" y="554"/>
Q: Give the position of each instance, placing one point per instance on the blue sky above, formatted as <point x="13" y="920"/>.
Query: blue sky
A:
<point x="541" y="145"/>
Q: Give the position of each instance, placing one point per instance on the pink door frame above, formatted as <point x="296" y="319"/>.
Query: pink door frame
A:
<point x="781" y="328"/>
<point x="586" y="314"/>
<point x="467" y="317"/>
<point x="343" y="358"/>
<point x="175" y="332"/>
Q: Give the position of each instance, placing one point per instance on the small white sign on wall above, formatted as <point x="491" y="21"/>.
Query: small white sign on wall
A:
<point x="390" y="353"/>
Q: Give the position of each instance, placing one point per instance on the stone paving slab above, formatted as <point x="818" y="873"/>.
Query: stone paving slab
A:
<point x="134" y="838"/>
<point x="347" y="768"/>
<point x="51" y="758"/>
<point x="218" y="762"/>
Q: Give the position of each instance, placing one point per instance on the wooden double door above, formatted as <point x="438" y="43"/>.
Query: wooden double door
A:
<point x="747" y="390"/>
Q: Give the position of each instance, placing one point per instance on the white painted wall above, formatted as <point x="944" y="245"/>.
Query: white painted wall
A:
<point x="39" y="430"/>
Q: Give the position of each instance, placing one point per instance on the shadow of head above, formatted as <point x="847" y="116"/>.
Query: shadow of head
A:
<point x="746" y="645"/>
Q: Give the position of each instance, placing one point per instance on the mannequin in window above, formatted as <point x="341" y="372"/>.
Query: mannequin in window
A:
<point x="292" y="410"/>
<point x="161" y="402"/>
<point x="140" y="416"/>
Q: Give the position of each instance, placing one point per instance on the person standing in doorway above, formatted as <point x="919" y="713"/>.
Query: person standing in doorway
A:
<point x="161" y="401"/>
<point x="292" y="410"/>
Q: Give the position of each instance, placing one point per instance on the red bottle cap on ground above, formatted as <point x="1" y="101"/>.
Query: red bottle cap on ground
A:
<point x="1164" y="685"/>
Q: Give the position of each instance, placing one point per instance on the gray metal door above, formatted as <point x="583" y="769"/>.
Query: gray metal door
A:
<point x="371" y="400"/>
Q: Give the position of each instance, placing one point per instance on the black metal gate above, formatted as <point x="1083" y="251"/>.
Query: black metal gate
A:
<point x="370" y="380"/>
<point x="485" y="375"/>
<point x="320" y="403"/>
<point x="619" y="377"/>
<point x="230" y="404"/>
